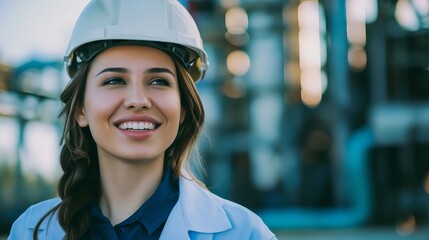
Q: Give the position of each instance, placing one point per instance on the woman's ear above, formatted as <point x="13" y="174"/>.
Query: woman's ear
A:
<point x="81" y="117"/>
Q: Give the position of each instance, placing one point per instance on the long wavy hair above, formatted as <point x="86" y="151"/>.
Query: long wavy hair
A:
<point x="80" y="181"/>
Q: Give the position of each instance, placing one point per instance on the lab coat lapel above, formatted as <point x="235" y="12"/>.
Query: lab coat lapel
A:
<point x="175" y="227"/>
<point x="50" y="227"/>
<point x="197" y="212"/>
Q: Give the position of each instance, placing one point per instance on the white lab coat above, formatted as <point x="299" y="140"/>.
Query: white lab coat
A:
<point x="198" y="215"/>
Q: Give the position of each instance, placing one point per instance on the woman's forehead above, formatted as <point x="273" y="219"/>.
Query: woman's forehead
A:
<point x="139" y="55"/>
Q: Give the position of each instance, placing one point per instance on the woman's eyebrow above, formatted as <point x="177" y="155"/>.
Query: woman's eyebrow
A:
<point x="159" y="70"/>
<point x="124" y="70"/>
<point x="114" y="69"/>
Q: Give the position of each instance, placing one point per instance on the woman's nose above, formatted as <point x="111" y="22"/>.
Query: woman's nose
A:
<point x="137" y="99"/>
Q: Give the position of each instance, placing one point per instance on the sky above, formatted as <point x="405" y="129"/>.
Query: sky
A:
<point x="36" y="29"/>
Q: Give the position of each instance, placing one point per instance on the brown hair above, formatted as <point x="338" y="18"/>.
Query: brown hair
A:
<point x="80" y="182"/>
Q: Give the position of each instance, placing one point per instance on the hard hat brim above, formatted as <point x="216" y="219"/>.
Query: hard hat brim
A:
<point x="87" y="52"/>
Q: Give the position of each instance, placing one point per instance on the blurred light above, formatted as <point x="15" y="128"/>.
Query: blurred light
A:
<point x="357" y="58"/>
<point x="356" y="29"/>
<point x="422" y="7"/>
<point x="358" y="14"/>
<point x="233" y="89"/>
<point x="406" y="226"/>
<point x="356" y="10"/>
<point x="311" y="87"/>
<point x="236" y="20"/>
<point x="308" y="15"/>
<point x="309" y="49"/>
<point x="406" y="16"/>
<point x="238" y="62"/>
<point x="371" y="10"/>
<point x="312" y="52"/>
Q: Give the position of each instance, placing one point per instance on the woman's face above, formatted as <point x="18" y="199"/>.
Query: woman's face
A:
<point x="132" y="103"/>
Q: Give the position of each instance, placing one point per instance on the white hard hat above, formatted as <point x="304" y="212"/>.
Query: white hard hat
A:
<point x="163" y="24"/>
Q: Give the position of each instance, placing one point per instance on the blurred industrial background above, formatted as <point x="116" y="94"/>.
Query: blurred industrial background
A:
<point x="317" y="111"/>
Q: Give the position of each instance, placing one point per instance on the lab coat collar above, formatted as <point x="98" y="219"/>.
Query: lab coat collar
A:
<point x="197" y="210"/>
<point x="50" y="225"/>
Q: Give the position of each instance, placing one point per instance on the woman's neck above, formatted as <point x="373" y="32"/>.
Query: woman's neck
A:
<point x="126" y="186"/>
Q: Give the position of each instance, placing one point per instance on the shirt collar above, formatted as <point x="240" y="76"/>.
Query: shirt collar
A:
<point x="155" y="211"/>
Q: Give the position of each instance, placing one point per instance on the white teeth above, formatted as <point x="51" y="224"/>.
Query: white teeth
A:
<point x="137" y="125"/>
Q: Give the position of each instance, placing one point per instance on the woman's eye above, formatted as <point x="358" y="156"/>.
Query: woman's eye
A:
<point x="159" y="81"/>
<point x="114" y="81"/>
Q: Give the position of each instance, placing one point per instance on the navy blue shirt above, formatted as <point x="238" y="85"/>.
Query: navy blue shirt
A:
<point x="146" y="223"/>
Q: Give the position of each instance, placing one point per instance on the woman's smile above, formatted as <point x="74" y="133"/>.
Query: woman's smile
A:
<point x="138" y="127"/>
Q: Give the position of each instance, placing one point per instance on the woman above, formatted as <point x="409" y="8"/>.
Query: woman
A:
<point x="132" y="116"/>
